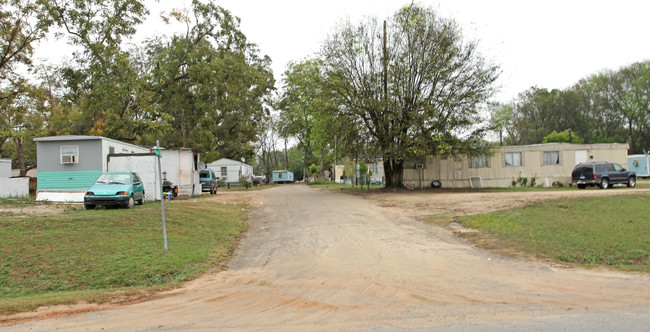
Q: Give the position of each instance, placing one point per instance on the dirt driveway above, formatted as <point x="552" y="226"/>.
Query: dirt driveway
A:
<point x="320" y="260"/>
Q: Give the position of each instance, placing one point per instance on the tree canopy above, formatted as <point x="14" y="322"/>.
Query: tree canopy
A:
<point x="411" y="87"/>
<point x="207" y="88"/>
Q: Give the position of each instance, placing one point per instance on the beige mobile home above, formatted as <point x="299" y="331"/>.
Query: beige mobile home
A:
<point x="547" y="163"/>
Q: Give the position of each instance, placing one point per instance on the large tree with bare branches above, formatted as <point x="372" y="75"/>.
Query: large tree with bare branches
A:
<point x="413" y="82"/>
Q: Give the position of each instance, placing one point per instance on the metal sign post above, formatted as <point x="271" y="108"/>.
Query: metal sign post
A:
<point x="162" y="197"/>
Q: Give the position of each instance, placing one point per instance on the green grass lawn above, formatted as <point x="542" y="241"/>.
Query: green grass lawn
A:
<point x="79" y="255"/>
<point x="612" y="231"/>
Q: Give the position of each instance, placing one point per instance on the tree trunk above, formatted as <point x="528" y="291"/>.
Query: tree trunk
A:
<point x="286" y="152"/>
<point x="393" y="171"/>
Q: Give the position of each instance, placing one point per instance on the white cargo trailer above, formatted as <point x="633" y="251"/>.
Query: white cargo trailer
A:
<point x="180" y="167"/>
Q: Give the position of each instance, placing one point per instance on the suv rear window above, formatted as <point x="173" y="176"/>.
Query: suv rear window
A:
<point x="584" y="169"/>
<point x="204" y="174"/>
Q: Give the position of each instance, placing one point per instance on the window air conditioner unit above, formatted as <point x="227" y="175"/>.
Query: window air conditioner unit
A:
<point x="69" y="159"/>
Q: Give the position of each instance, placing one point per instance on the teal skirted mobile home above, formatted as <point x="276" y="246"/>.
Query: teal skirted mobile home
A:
<point x="68" y="165"/>
<point x="282" y="176"/>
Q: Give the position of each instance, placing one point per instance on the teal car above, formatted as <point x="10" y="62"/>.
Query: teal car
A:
<point x="115" y="189"/>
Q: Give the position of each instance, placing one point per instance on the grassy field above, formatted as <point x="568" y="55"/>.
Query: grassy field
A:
<point x="612" y="231"/>
<point x="84" y="255"/>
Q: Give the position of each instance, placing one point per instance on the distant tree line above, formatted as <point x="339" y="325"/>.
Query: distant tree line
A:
<point x="609" y="107"/>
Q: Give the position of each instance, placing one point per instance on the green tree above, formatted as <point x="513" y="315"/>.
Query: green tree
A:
<point x="562" y="137"/>
<point x="309" y="114"/>
<point x="103" y="82"/>
<point x="500" y="119"/>
<point x="22" y="24"/>
<point x="212" y="85"/>
<point x="415" y="93"/>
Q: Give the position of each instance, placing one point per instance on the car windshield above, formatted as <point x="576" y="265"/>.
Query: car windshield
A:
<point x="108" y="178"/>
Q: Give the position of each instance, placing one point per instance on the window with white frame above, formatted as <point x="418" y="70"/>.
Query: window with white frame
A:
<point x="551" y="157"/>
<point x="224" y="172"/>
<point x="479" y="161"/>
<point x="513" y="158"/>
<point x="70" y="154"/>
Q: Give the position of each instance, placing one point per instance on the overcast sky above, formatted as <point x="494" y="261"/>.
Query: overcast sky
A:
<point x="550" y="44"/>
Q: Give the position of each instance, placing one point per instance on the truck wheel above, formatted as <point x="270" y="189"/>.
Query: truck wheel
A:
<point x="604" y="183"/>
<point x="631" y="182"/>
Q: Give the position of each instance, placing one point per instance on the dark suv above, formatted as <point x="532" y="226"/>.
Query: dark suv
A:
<point x="602" y="174"/>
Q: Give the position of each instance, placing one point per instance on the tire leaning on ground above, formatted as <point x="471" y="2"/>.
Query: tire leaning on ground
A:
<point x="131" y="203"/>
<point x="631" y="182"/>
<point x="604" y="183"/>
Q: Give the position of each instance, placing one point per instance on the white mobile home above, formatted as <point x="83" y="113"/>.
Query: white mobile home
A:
<point x="546" y="163"/>
<point x="230" y="170"/>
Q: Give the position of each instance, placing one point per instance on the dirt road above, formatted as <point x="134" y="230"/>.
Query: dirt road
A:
<point x="319" y="260"/>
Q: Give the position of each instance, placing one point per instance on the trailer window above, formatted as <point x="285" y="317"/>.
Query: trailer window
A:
<point x="551" y="157"/>
<point x="513" y="158"/>
<point x="70" y="154"/>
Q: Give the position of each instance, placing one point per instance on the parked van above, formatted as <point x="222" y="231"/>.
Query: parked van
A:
<point x="208" y="180"/>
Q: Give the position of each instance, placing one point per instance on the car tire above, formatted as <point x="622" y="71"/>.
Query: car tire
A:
<point x="130" y="203"/>
<point x="141" y="200"/>
<point x="604" y="183"/>
<point x="582" y="186"/>
<point x="89" y="206"/>
<point x="631" y="182"/>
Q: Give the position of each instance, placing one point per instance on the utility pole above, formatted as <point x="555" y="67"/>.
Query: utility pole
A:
<point x="162" y="197"/>
<point x="385" y="63"/>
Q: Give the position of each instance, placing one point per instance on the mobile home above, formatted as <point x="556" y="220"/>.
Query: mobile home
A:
<point x="230" y="170"/>
<point x="639" y="164"/>
<point x="68" y="165"/>
<point x="282" y="176"/>
<point x="547" y="164"/>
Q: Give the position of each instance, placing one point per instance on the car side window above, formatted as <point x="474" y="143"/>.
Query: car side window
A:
<point x="618" y="167"/>
<point x="610" y="168"/>
<point x="600" y="168"/>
